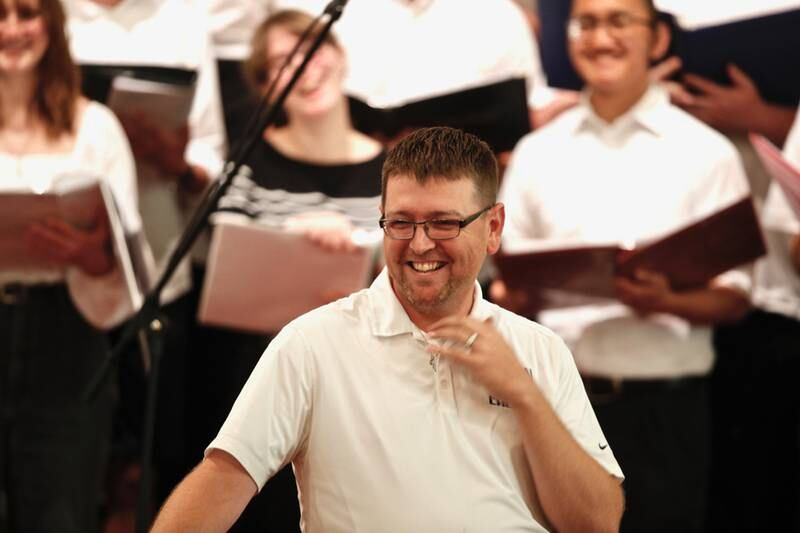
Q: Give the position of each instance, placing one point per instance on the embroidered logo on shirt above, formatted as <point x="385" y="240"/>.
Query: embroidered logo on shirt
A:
<point x="500" y="403"/>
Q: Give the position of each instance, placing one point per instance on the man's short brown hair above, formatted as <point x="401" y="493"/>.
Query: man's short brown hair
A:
<point x="443" y="153"/>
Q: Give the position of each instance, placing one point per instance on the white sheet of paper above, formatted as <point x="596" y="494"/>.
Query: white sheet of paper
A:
<point x="260" y="278"/>
<point x="167" y="103"/>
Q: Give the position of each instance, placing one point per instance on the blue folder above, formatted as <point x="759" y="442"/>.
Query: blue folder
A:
<point x="767" y="48"/>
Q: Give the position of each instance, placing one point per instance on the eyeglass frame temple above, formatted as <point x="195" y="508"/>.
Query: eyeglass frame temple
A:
<point x="464" y="222"/>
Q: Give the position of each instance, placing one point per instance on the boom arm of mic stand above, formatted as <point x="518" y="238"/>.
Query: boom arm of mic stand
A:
<point x="151" y="305"/>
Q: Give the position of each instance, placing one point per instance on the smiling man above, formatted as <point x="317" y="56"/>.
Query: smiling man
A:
<point x="627" y="166"/>
<point x="416" y="405"/>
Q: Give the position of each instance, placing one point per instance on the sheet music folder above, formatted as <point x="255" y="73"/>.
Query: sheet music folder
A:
<point x="767" y="48"/>
<point x="164" y="95"/>
<point x="259" y="278"/>
<point x="496" y="112"/>
<point x="689" y="257"/>
<point x="96" y="79"/>
<point x="76" y="199"/>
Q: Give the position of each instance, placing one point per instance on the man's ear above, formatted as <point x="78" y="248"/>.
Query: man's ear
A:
<point x="496" y="218"/>
<point x="662" y="36"/>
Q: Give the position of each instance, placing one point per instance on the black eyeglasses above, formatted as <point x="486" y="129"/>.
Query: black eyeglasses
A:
<point x="437" y="230"/>
<point x="616" y="23"/>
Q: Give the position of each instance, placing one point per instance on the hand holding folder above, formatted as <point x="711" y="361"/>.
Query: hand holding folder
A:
<point x="155" y="117"/>
<point x="57" y="240"/>
<point x="766" y="47"/>
<point x="259" y="277"/>
<point x="689" y="257"/>
<point x="153" y="104"/>
<point x="74" y="222"/>
<point x="41" y="230"/>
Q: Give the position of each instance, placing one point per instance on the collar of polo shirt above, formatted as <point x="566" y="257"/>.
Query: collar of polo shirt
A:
<point x="388" y="318"/>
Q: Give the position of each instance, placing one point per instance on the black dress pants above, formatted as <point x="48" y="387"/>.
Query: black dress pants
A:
<point x="755" y="474"/>
<point x="658" y="430"/>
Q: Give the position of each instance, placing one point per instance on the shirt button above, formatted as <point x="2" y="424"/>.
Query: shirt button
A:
<point x="444" y="383"/>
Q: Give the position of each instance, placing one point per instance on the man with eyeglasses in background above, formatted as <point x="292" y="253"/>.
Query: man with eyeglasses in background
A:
<point x="416" y="405"/>
<point x="627" y="166"/>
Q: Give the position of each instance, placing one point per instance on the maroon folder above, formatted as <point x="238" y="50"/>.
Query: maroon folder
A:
<point x="690" y="257"/>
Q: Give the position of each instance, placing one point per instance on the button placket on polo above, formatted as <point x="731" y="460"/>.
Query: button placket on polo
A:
<point x="443" y="383"/>
<point x="445" y="387"/>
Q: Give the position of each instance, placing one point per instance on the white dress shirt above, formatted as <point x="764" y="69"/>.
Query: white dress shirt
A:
<point x="232" y="22"/>
<point x="582" y="180"/>
<point x="382" y="438"/>
<point x="777" y="284"/>
<point x="101" y="150"/>
<point x="399" y="51"/>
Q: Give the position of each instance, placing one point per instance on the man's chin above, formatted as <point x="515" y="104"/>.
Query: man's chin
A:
<point x="425" y="299"/>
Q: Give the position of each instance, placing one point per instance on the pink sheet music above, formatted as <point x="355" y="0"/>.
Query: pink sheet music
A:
<point x="783" y="172"/>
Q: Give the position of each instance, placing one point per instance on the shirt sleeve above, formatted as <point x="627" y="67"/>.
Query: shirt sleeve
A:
<point x="517" y="193"/>
<point x="104" y="300"/>
<point x="573" y="407"/>
<point x="207" y="143"/>
<point x="522" y="55"/>
<point x="726" y="183"/>
<point x="778" y="214"/>
<point x="269" y="421"/>
<point x="113" y="160"/>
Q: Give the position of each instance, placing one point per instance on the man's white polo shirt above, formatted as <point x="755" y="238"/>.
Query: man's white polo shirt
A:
<point x="383" y="441"/>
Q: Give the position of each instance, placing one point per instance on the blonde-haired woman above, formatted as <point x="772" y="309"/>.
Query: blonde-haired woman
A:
<point x="316" y="174"/>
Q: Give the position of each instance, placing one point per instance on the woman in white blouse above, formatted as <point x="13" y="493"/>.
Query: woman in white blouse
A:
<point x="54" y="307"/>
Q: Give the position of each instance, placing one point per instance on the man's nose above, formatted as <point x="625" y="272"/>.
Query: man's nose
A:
<point x="420" y="242"/>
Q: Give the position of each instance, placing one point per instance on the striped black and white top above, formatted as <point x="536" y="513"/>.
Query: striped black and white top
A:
<point x="281" y="187"/>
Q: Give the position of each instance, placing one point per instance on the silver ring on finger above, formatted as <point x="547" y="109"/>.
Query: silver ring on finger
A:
<point x="471" y="340"/>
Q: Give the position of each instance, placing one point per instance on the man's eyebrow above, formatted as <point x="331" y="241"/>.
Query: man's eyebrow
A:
<point x="435" y="215"/>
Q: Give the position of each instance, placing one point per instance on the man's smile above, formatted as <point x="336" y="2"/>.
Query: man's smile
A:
<point x="425" y="266"/>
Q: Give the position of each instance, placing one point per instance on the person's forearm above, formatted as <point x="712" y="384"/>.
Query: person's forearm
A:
<point x="708" y="306"/>
<point x="576" y="492"/>
<point x="209" y="499"/>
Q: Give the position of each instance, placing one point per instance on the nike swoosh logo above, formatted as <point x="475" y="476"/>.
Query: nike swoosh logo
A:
<point x="603" y="446"/>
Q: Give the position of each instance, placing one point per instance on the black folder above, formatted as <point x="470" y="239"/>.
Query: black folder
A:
<point x="96" y="79"/>
<point x="496" y="112"/>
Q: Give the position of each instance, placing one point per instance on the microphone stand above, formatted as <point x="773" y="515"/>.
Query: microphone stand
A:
<point x="149" y="316"/>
